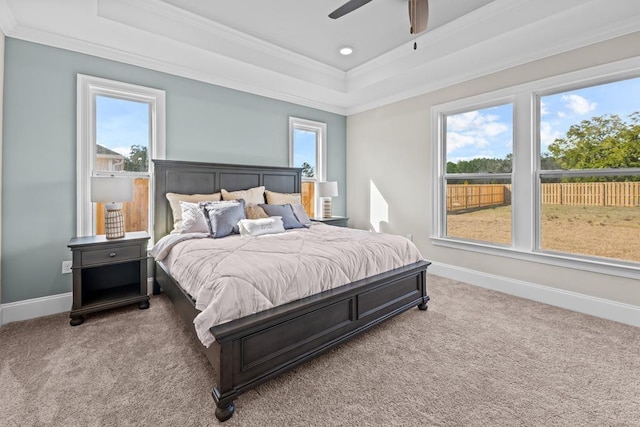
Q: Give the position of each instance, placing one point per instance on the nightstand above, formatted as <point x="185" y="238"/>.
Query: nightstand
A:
<point x="108" y="273"/>
<point x="339" y="221"/>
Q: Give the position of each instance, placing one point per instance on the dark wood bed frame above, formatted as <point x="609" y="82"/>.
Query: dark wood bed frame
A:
<point x="256" y="348"/>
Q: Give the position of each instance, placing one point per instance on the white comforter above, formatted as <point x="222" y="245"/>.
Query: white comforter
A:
<point x="237" y="276"/>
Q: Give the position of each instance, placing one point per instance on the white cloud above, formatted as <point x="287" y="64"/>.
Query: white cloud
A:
<point x="543" y="109"/>
<point x="462" y="122"/>
<point x="578" y="105"/>
<point x="456" y="141"/>
<point x="473" y="130"/>
<point x="547" y="135"/>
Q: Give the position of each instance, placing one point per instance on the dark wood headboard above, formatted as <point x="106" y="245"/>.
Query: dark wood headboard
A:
<point x="174" y="176"/>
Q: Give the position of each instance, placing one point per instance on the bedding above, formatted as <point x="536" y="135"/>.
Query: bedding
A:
<point x="176" y="210"/>
<point x="236" y="276"/>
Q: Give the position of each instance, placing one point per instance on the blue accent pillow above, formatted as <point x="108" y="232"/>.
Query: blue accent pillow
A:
<point x="223" y="217"/>
<point x="286" y="212"/>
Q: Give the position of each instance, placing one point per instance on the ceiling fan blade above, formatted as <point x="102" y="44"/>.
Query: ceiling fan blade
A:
<point x="418" y="15"/>
<point x="348" y="7"/>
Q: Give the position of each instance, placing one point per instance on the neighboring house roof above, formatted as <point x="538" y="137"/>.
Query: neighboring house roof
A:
<point x="106" y="151"/>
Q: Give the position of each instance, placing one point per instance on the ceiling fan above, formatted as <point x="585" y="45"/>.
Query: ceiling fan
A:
<point x="418" y="13"/>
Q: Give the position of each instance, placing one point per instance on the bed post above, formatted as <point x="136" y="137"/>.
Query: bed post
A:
<point x="423" y="290"/>
<point x="224" y="366"/>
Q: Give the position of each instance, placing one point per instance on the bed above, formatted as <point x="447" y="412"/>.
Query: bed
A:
<point x="253" y="349"/>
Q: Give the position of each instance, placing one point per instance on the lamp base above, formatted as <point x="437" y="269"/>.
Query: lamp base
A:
<point x="326" y="207"/>
<point x="114" y="221"/>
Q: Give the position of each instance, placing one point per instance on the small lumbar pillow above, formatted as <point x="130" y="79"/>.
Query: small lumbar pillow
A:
<point x="257" y="227"/>
<point x="255" y="212"/>
<point x="301" y="214"/>
<point x="175" y="199"/>
<point x="284" y="211"/>
<point x="192" y="218"/>
<point x="274" y="198"/>
<point x="224" y="217"/>
<point x="252" y="196"/>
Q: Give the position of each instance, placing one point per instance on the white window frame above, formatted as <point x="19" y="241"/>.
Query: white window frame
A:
<point x="526" y="168"/>
<point x="88" y="88"/>
<point x="441" y="191"/>
<point x="320" y="130"/>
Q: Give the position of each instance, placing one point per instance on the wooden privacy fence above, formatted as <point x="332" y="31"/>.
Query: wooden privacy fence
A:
<point x="461" y="197"/>
<point x="621" y="194"/>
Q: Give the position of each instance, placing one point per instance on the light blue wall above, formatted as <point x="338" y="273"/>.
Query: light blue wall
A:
<point x="204" y="123"/>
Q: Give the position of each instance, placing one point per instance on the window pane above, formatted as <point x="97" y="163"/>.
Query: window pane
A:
<point x="304" y="151"/>
<point x="591" y="128"/>
<point x="596" y="216"/>
<point x="480" y="141"/>
<point x="479" y="210"/>
<point x="122" y="135"/>
<point x="136" y="212"/>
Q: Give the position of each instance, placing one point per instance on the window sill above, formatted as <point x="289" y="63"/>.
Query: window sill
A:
<point x="624" y="269"/>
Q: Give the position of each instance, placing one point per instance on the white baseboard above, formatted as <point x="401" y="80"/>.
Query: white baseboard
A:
<point x="44" y="306"/>
<point x="599" y="307"/>
<point x="36" y="307"/>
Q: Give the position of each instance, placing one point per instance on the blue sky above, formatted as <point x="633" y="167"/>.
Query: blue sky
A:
<point x="121" y="124"/>
<point x="488" y="132"/>
<point x="304" y="149"/>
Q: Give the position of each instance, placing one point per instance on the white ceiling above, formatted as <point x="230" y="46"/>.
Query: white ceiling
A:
<point x="287" y="49"/>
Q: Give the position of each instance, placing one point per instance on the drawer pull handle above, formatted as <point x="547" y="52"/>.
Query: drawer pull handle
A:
<point x="112" y="254"/>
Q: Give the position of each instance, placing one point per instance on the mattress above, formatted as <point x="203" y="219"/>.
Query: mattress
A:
<point x="235" y="276"/>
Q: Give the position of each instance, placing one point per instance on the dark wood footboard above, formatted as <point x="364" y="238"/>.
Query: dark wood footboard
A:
<point x="256" y="348"/>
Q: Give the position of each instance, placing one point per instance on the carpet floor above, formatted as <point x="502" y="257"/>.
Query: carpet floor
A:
<point x="475" y="358"/>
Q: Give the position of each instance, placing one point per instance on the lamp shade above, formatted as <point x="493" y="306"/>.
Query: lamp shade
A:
<point x="111" y="189"/>
<point x="328" y="189"/>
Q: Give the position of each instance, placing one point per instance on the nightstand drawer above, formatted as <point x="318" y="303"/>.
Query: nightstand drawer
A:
<point x="111" y="255"/>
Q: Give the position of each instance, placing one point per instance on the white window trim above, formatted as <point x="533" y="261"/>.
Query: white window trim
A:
<point x="88" y="87"/>
<point x="525" y="225"/>
<point x="320" y="129"/>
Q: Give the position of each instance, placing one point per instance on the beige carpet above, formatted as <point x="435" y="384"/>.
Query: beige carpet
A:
<point x="475" y="358"/>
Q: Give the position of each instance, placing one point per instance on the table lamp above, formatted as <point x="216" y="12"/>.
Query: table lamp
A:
<point x="112" y="191"/>
<point x="327" y="190"/>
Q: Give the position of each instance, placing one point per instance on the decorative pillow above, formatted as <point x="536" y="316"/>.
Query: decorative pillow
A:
<point x="224" y="217"/>
<point x="192" y="218"/>
<point x="175" y="199"/>
<point x="252" y="196"/>
<point x="256" y="227"/>
<point x="255" y="212"/>
<point x="284" y="211"/>
<point x="301" y="214"/>
<point x="274" y="198"/>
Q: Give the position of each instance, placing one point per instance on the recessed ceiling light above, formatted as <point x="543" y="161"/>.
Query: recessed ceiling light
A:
<point x="346" y="50"/>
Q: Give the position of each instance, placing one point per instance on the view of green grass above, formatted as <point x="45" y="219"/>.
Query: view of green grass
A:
<point x="611" y="232"/>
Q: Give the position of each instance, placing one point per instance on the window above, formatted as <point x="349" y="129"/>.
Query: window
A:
<point x="589" y="177"/>
<point x="477" y="174"/>
<point x="566" y="193"/>
<point x="307" y="151"/>
<point x="120" y="129"/>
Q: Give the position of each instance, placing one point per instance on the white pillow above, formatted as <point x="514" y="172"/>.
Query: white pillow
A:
<point x="256" y="227"/>
<point x="193" y="220"/>
<point x="252" y="196"/>
<point x="175" y="199"/>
